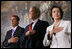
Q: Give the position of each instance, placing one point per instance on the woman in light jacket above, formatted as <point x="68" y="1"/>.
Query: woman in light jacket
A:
<point x="58" y="35"/>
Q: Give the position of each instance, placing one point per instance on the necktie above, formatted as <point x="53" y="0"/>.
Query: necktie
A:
<point x="30" y="28"/>
<point x="12" y="32"/>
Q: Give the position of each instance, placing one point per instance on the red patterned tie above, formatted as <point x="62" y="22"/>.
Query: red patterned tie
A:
<point x="30" y="28"/>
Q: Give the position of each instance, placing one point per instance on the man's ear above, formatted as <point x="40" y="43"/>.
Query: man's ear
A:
<point x="38" y="14"/>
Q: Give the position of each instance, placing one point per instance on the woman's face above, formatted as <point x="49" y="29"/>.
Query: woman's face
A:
<point x="56" y="13"/>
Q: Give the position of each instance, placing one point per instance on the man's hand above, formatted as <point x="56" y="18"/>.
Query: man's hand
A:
<point x="31" y="32"/>
<point x="13" y="40"/>
<point x="27" y="33"/>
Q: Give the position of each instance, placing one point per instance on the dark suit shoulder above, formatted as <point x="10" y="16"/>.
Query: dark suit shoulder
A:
<point x="8" y="31"/>
<point x="44" y="22"/>
<point x="17" y="27"/>
<point x="20" y="28"/>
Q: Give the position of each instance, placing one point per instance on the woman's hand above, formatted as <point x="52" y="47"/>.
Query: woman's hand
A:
<point x="55" y="30"/>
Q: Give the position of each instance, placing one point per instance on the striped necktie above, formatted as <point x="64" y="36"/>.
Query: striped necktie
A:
<point x="12" y="32"/>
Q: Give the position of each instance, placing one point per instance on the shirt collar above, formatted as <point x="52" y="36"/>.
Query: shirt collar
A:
<point x="35" y="20"/>
<point x="14" y="28"/>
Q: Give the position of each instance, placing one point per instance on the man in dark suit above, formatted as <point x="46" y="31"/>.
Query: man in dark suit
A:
<point x="34" y="32"/>
<point x="12" y="37"/>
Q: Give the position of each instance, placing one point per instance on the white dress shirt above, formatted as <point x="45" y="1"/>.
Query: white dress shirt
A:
<point x="62" y="39"/>
<point x="14" y="28"/>
<point x="34" y="22"/>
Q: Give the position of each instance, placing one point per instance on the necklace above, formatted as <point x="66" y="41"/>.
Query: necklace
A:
<point x="56" y="24"/>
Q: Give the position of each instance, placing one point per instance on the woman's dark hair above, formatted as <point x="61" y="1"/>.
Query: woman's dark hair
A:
<point x="61" y="12"/>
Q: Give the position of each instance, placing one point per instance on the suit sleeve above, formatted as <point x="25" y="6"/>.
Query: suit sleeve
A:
<point x="69" y="27"/>
<point x="22" y="39"/>
<point x="41" y="32"/>
<point x="47" y="40"/>
<point x="44" y="26"/>
<point x="5" y="42"/>
<point x="69" y="30"/>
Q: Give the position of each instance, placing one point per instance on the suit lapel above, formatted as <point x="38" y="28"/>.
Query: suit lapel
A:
<point x="36" y="25"/>
<point x="10" y="34"/>
<point x="16" y="31"/>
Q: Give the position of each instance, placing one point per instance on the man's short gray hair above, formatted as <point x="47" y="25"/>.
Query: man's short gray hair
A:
<point x="37" y="10"/>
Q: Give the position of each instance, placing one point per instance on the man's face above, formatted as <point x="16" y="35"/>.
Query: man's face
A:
<point x="14" y="21"/>
<point x="32" y="13"/>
